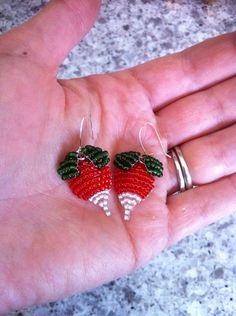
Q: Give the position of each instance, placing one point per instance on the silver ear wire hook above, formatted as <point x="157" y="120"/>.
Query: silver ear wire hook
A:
<point x="81" y="131"/>
<point x="91" y="126"/>
<point x="157" y="135"/>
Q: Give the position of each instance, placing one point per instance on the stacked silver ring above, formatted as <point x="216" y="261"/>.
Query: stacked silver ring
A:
<point x="183" y="174"/>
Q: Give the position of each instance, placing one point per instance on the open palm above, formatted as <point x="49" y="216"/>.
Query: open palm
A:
<point x="53" y="244"/>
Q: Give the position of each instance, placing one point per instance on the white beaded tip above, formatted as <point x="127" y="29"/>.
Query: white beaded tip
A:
<point x="101" y="199"/>
<point x="129" y="201"/>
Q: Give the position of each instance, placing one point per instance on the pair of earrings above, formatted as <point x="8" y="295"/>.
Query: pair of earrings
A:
<point x="90" y="178"/>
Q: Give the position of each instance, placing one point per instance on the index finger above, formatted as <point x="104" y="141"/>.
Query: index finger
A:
<point x="169" y="78"/>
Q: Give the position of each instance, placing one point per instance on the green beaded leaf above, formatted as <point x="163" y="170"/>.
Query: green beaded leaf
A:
<point x="126" y="160"/>
<point x="68" y="167"/>
<point x="153" y="165"/>
<point x="99" y="157"/>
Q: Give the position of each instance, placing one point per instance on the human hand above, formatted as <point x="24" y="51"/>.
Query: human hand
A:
<point x="53" y="244"/>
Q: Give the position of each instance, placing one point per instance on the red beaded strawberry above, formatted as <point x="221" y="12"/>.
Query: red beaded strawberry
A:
<point x="134" y="178"/>
<point x="88" y="175"/>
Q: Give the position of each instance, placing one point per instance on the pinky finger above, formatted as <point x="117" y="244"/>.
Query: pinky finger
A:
<point x="199" y="207"/>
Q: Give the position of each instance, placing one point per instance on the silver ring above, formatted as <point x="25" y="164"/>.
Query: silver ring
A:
<point x="187" y="177"/>
<point x="181" y="166"/>
<point x="180" y="176"/>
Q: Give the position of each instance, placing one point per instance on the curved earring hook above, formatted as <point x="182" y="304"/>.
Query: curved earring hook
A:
<point x="81" y="130"/>
<point x="157" y="135"/>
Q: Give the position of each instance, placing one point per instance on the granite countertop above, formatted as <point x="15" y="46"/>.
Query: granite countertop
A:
<point x="196" y="277"/>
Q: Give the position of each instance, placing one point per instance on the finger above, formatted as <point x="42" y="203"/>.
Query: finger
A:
<point x="198" y="114"/>
<point x="169" y="78"/>
<point x="209" y="158"/>
<point x="199" y="207"/>
<point x="49" y="36"/>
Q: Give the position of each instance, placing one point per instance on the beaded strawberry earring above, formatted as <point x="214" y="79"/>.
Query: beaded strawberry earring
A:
<point x="134" y="175"/>
<point x="87" y="173"/>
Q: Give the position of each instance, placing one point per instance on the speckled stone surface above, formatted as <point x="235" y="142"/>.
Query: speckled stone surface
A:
<point x="197" y="277"/>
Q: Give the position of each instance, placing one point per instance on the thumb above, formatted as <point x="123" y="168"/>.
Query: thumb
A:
<point x="49" y="36"/>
